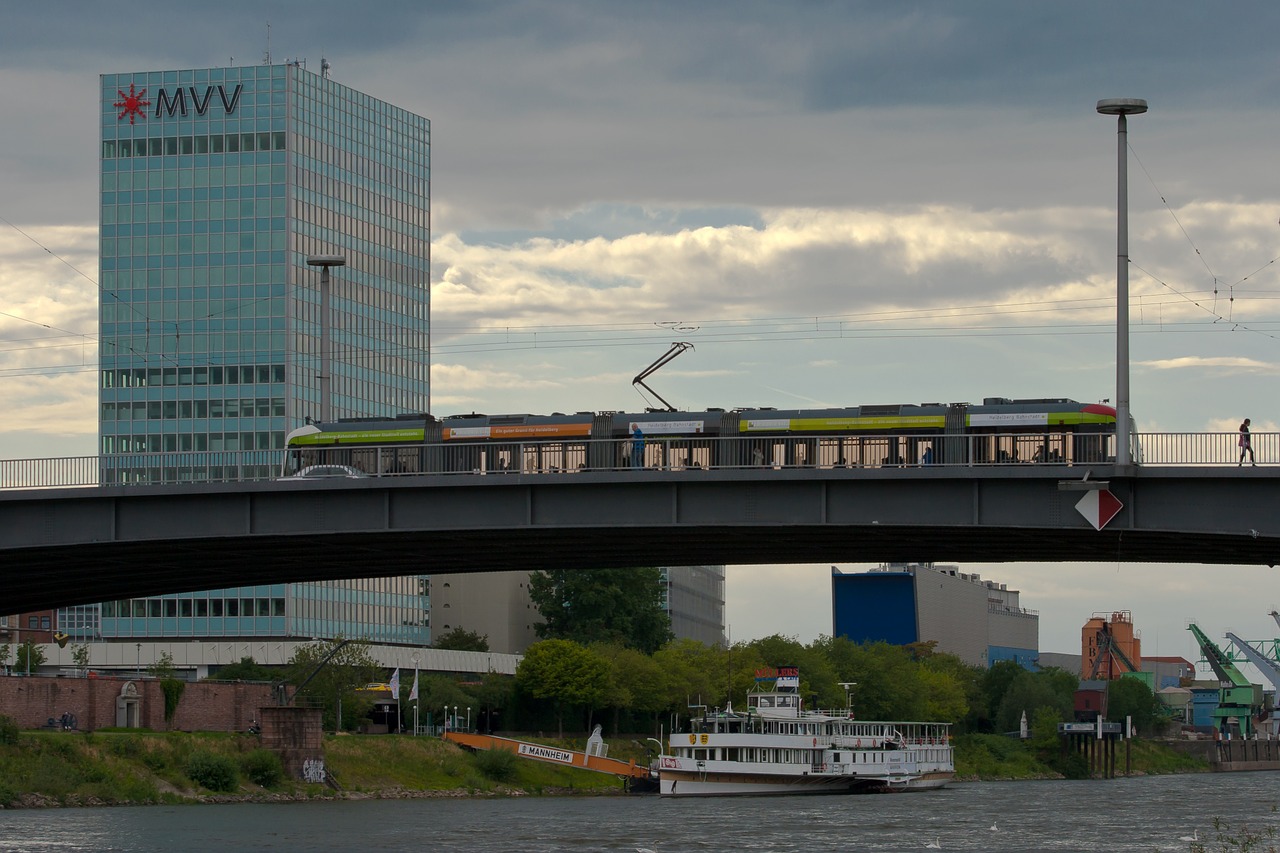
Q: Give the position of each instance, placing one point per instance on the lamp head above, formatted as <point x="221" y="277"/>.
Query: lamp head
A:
<point x="1118" y="107"/>
<point x="326" y="261"/>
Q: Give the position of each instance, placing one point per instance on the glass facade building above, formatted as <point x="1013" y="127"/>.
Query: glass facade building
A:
<point x="693" y="597"/>
<point x="216" y="186"/>
<point x="391" y="611"/>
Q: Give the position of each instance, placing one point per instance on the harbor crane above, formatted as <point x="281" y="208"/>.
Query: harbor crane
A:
<point x="1237" y="697"/>
<point x="1256" y="653"/>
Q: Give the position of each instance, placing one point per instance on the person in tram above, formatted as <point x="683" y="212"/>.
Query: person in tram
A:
<point x="637" y="448"/>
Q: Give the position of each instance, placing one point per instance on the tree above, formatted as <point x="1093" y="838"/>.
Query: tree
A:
<point x="818" y="681"/>
<point x="618" y="606"/>
<point x="80" y="656"/>
<point x="462" y="640"/>
<point x="493" y="696"/>
<point x="334" y="683"/>
<point x="1035" y="691"/>
<point x="245" y="669"/>
<point x="1130" y="697"/>
<point x="636" y="682"/>
<point x="5" y="651"/>
<point x="888" y="680"/>
<point x="566" y="673"/>
<point x="996" y="681"/>
<point x="969" y="678"/>
<point x="163" y="667"/>
<point x="944" y="696"/>
<point x="29" y="658"/>
<point x="694" y="674"/>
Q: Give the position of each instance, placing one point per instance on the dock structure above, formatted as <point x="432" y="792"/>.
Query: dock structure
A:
<point x="1097" y="742"/>
<point x="637" y="777"/>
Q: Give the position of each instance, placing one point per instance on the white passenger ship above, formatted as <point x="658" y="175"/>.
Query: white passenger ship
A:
<point x="777" y="747"/>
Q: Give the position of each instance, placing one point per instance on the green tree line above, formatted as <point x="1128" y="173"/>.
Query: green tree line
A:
<point x="607" y="656"/>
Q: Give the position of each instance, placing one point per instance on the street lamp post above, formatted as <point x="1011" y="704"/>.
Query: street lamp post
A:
<point x="139" y="660"/>
<point x="325" y="262"/>
<point x="468" y="728"/>
<point x="1122" y="107"/>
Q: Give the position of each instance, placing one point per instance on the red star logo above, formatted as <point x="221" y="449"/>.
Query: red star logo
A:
<point x="131" y="104"/>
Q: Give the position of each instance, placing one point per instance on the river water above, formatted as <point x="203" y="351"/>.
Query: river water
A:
<point x="1139" y="814"/>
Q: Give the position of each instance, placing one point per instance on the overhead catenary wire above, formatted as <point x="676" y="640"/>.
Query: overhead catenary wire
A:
<point x="934" y="321"/>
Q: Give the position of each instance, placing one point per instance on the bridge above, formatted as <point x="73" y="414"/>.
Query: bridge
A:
<point x="61" y="546"/>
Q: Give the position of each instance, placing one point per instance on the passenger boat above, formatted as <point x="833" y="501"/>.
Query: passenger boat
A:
<point x="778" y="747"/>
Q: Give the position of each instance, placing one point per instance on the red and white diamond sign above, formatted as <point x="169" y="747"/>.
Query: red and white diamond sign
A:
<point x="1098" y="507"/>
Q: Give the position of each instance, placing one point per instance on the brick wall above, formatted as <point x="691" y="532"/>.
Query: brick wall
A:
<point x="295" y="734"/>
<point x="205" y="706"/>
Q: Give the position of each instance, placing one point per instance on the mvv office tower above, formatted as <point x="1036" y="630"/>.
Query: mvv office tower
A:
<point x="216" y="186"/>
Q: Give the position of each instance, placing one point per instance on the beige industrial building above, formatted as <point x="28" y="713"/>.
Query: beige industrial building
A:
<point x="497" y="605"/>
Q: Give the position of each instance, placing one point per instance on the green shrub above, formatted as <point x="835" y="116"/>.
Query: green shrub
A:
<point x="263" y="767"/>
<point x="497" y="764"/>
<point x="8" y="730"/>
<point x="128" y="746"/>
<point x="215" y="772"/>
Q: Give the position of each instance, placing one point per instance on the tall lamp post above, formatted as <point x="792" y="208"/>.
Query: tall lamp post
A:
<point x="1122" y="107"/>
<point x="325" y="262"/>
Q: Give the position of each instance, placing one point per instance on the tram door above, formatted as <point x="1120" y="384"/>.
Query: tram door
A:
<point x="955" y="447"/>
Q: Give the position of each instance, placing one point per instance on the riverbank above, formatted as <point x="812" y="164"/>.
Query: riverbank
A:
<point x="52" y="769"/>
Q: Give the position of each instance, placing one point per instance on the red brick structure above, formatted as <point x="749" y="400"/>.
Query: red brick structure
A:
<point x="295" y="734"/>
<point x="102" y="702"/>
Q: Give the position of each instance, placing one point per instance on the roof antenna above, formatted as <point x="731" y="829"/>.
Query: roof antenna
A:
<point x="676" y="348"/>
<point x="324" y="68"/>
<point x="266" y="56"/>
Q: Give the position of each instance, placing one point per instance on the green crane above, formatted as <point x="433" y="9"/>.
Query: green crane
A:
<point x="1237" y="697"/>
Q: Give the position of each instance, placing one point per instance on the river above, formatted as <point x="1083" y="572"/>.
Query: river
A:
<point x="1138" y="814"/>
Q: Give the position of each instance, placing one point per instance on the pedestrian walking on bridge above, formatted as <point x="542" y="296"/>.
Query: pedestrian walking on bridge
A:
<point x="1246" y="444"/>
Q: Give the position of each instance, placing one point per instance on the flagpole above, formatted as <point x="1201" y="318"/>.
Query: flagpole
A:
<point x="413" y="694"/>
<point x="395" y="691"/>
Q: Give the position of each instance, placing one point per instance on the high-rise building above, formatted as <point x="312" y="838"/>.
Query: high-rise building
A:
<point x="981" y="622"/>
<point x="217" y="186"/>
<point x="694" y="599"/>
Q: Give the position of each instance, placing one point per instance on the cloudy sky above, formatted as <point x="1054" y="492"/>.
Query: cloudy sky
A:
<point x="835" y="203"/>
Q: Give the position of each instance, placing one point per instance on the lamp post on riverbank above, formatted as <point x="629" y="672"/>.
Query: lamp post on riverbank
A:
<point x="1121" y="107"/>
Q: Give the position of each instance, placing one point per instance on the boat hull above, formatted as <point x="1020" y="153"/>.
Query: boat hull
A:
<point x="746" y="784"/>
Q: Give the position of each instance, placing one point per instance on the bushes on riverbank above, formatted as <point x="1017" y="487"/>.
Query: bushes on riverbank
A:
<point x="132" y="767"/>
<point x="996" y="757"/>
<point x="117" y="767"/>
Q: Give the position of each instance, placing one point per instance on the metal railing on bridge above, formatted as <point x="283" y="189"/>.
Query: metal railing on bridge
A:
<point x="655" y="453"/>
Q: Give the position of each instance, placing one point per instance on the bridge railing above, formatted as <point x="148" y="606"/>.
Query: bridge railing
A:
<point x="656" y="453"/>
